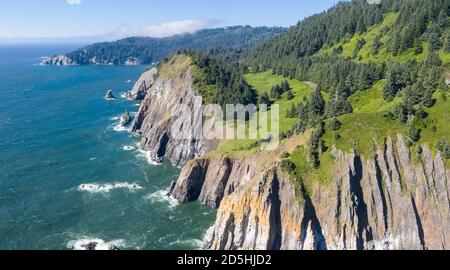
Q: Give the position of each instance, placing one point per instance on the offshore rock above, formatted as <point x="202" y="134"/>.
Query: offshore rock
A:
<point x="109" y="95"/>
<point x="125" y="119"/>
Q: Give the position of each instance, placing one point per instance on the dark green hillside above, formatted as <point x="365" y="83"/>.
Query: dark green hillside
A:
<point x="342" y="46"/>
<point x="380" y="71"/>
<point x="147" y="50"/>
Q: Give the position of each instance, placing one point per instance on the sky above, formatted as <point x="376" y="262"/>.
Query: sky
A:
<point x="96" y="20"/>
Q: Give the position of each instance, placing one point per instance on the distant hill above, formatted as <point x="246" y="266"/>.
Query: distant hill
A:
<point x="146" y="50"/>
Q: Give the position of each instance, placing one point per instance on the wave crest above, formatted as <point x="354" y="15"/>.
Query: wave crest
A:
<point x="96" y="188"/>
<point x="95" y="244"/>
<point x="162" y="196"/>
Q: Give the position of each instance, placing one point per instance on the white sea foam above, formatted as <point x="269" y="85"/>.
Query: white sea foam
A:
<point x="196" y="243"/>
<point x="82" y="244"/>
<point x="105" y="188"/>
<point x="120" y="128"/>
<point x="93" y="158"/>
<point x="110" y="99"/>
<point x="124" y="95"/>
<point x="129" y="81"/>
<point x="115" y="118"/>
<point x="162" y="196"/>
<point x="129" y="148"/>
<point x="148" y="156"/>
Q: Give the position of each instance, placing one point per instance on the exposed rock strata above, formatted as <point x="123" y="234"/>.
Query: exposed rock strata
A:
<point x="59" y="60"/>
<point x="385" y="202"/>
<point x="125" y="119"/>
<point x="155" y="120"/>
<point x="388" y="201"/>
<point x="144" y="83"/>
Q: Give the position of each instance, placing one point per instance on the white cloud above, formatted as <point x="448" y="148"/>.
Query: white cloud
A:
<point x="166" y="29"/>
<point x="161" y="30"/>
<point x="74" y="2"/>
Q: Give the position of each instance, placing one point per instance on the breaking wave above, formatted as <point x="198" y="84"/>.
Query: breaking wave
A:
<point x="129" y="148"/>
<point x="148" y="156"/>
<point x="95" y="244"/>
<point x="162" y="196"/>
<point x="105" y="188"/>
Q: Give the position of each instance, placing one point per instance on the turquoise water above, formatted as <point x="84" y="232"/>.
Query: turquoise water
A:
<point x="57" y="133"/>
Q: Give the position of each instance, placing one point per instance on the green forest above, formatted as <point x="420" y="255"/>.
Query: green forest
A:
<point x="374" y="70"/>
<point x="147" y="50"/>
<point x="384" y="66"/>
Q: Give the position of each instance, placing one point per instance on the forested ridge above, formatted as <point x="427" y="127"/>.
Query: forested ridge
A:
<point x="404" y="44"/>
<point x="296" y="53"/>
<point x="397" y="50"/>
<point x="219" y="80"/>
<point x="146" y="50"/>
<point x="382" y="65"/>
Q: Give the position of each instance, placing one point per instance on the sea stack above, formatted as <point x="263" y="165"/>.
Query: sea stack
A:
<point x="110" y="95"/>
<point x="125" y="118"/>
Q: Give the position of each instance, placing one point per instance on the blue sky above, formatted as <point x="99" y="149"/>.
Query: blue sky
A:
<point x="106" y="19"/>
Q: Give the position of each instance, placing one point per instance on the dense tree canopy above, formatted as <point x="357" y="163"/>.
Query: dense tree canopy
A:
<point x="146" y="50"/>
<point x="293" y="53"/>
<point x="230" y="86"/>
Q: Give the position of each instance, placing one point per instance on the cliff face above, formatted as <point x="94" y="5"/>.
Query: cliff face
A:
<point x="154" y="120"/>
<point x="388" y="201"/>
<point x="59" y="60"/>
<point x="385" y="202"/>
<point x="144" y="83"/>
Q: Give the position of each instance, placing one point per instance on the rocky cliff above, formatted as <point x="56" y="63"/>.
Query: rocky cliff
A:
<point x="391" y="200"/>
<point x="155" y="119"/>
<point x="387" y="202"/>
<point x="144" y="83"/>
<point x="59" y="60"/>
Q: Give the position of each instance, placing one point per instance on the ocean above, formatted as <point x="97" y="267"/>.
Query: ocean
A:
<point x="69" y="175"/>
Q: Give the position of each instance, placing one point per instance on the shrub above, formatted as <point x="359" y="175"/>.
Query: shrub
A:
<point x="335" y="124"/>
<point x="444" y="148"/>
<point x="421" y="113"/>
<point x="287" y="166"/>
<point x="285" y="155"/>
<point x="290" y="95"/>
<point x="413" y="132"/>
<point x="337" y="137"/>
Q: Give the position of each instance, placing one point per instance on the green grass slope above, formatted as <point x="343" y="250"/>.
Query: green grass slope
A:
<point x="386" y="31"/>
<point x="263" y="82"/>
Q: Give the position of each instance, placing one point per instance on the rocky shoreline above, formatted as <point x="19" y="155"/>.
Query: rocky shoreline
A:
<point x="154" y="122"/>
<point x="144" y="83"/>
<point x="59" y="60"/>
<point x="382" y="203"/>
<point x="386" y="202"/>
<point x="64" y="60"/>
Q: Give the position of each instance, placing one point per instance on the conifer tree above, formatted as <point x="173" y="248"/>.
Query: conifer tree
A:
<point x="317" y="106"/>
<point x="290" y="95"/>
<point x="413" y="132"/>
<point x="264" y="99"/>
